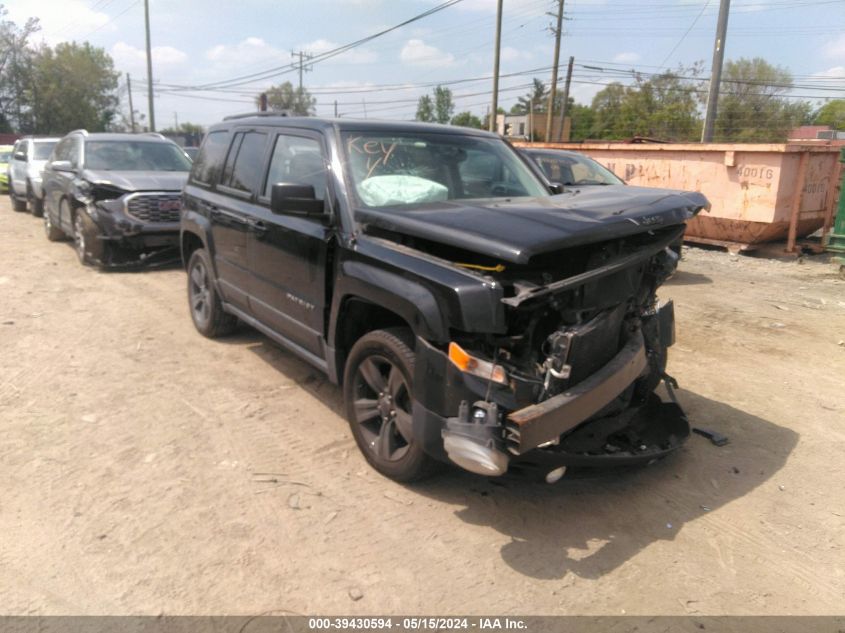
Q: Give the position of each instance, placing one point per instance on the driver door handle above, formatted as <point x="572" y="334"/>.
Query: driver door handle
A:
<point x="257" y="226"/>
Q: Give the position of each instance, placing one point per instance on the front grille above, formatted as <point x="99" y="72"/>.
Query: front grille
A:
<point x="155" y="208"/>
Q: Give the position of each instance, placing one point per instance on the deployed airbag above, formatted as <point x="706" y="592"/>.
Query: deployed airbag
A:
<point x="382" y="191"/>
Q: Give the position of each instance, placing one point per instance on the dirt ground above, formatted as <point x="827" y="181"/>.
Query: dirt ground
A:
<point x="146" y="470"/>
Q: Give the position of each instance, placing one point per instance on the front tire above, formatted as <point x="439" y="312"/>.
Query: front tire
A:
<point x="53" y="233"/>
<point x="80" y="239"/>
<point x="378" y="393"/>
<point x="206" y="308"/>
<point x="17" y="204"/>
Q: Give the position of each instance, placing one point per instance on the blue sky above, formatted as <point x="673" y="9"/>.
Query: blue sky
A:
<point x="197" y="42"/>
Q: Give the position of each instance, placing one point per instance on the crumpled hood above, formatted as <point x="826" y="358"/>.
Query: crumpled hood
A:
<point x="139" y="180"/>
<point x="516" y="230"/>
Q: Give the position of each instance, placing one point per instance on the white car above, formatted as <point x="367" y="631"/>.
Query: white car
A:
<point x="28" y="160"/>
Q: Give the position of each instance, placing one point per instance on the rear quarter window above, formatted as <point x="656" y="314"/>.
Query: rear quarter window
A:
<point x="209" y="163"/>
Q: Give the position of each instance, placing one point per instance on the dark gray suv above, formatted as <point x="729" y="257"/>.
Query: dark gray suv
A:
<point x="117" y="195"/>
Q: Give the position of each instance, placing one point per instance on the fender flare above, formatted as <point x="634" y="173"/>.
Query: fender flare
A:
<point x="408" y="298"/>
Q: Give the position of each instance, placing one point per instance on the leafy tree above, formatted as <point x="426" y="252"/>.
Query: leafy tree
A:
<point x="286" y="97"/>
<point x="185" y="128"/>
<point x="607" y="109"/>
<point x="662" y="106"/>
<point x="582" y="120"/>
<point x="753" y="103"/>
<point x="15" y="73"/>
<point x="73" y="86"/>
<point x="832" y="113"/>
<point x="443" y="104"/>
<point x="425" y="109"/>
<point x="539" y="94"/>
<point x="191" y="133"/>
<point x="467" y="119"/>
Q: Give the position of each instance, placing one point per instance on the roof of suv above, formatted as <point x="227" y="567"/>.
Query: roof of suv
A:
<point x="121" y="136"/>
<point x="357" y="125"/>
<point x="40" y="139"/>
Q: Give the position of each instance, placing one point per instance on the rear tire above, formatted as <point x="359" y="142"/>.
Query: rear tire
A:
<point x="206" y="308"/>
<point x="378" y="393"/>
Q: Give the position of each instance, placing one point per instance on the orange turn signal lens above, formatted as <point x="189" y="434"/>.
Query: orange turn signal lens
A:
<point x="476" y="366"/>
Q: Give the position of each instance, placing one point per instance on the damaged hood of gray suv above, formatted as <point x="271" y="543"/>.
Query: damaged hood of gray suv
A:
<point x="138" y="180"/>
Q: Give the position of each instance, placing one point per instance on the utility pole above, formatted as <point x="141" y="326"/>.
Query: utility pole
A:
<point x="565" y="105"/>
<point x="531" y="119"/>
<point x="494" y="111"/>
<point x="716" y="72"/>
<point x="335" y="108"/>
<point x="558" y="33"/>
<point x="303" y="67"/>
<point x="131" y="109"/>
<point x="149" y="68"/>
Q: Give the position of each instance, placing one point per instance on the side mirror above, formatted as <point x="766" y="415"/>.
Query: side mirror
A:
<point x="20" y="156"/>
<point x="556" y="187"/>
<point x="294" y="199"/>
<point x="61" y="165"/>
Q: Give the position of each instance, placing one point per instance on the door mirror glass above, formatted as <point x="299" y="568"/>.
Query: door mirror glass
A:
<point x="295" y="199"/>
<point x="61" y="165"/>
<point x="20" y="156"/>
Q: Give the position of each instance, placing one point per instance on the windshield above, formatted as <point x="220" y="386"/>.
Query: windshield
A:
<point x="418" y="168"/>
<point x="135" y="156"/>
<point x="573" y="169"/>
<point x="43" y="149"/>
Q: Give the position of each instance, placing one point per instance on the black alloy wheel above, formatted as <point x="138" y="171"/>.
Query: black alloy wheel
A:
<point x="378" y="390"/>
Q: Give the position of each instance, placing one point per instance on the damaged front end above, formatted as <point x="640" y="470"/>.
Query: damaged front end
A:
<point x="571" y="381"/>
<point x="127" y="229"/>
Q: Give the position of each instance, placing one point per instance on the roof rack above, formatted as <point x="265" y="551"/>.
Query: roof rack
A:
<point x="82" y="131"/>
<point x="248" y="115"/>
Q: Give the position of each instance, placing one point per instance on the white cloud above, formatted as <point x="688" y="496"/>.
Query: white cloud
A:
<point x="354" y="56"/>
<point x="626" y="58"/>
<point x="837" y="72"/>
<point x="248" y="52"/>
<point x="61" y="20"/>
<point x="511" y="54"/>
<point x="418" y="53"/>
<point x="127" y="57"/>
<point x="835" y="49"/>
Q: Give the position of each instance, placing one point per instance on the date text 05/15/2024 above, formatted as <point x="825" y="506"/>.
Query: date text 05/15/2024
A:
<point x="416" y="623"/>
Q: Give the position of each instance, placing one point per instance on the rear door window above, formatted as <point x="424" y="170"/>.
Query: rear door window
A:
<point x="246" y="169"/>
<point x="209" y="163"/>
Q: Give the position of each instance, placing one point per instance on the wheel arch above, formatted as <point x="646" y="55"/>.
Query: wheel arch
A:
<point x="356" y="317"/>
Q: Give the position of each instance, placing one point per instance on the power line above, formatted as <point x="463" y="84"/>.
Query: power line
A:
<point x="281" y="70"/>
<point x="684" y="36"/>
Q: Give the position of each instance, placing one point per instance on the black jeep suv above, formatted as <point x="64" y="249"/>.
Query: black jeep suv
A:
<point x="117" y="195"/>
<point x="470" y="314"/>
